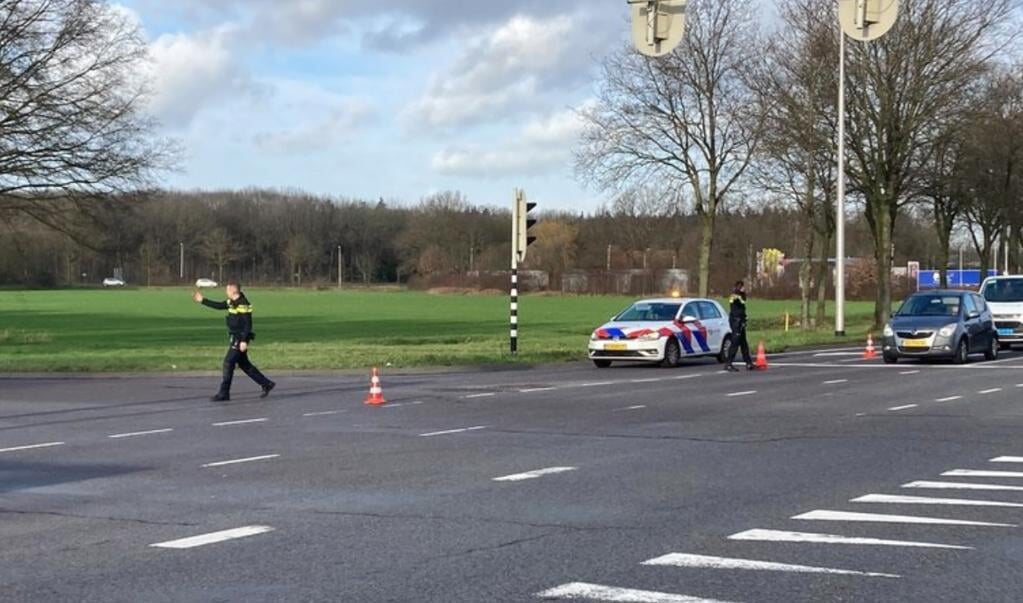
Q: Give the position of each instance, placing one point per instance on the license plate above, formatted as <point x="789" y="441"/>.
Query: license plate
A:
<point x="1006" y="332"/>
<point x="615" y="347"/>
<point x="915" y="343"/>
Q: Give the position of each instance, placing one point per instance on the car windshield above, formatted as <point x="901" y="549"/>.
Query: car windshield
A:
<point x="649" y="312"/>
<point x="931" y="305"/>
<point x="1004" y="290"/>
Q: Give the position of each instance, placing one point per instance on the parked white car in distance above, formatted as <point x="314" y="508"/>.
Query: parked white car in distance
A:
<point x="205" y="283"/>
<point x="113" y="282"/>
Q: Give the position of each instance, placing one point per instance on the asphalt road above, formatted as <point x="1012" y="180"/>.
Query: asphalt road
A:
<point x="826" y="478"/>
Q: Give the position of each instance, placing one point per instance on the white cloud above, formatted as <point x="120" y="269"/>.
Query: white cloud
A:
<point x="544" y="146"/>
<point x="504" y="72"/>
<point x="337" y="124"/>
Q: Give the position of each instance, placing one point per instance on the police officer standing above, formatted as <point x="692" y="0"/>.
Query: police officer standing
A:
<point x="239" y="325"/>
<point x="737" y="320"/>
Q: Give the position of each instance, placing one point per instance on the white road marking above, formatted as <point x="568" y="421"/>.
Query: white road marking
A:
<point x="1007" y="459"/>
<point x="637" y="407"/>
<point x="322" y="413"/>
<point x="903" y="407"/>
<point x="830" y="354"/>
<point x="474" y="396"/>
<point x="251" y="459"/>
<point x="740" y="394"/>
<point x="658" y="380"/>
<point x="598" y="592"/>
<point x="824" y="515"/>
<point x="214" y="537"/>
<point x="1019" y="385"/>
<point x="975" y="473"/>
<point x="961" y="486"/>
<point x="707" y="562"/>
<point x="836" y="381"/>
<point x="925" y="500"/>
<point x="949" y="399"/>
<point x="909" y="372"/>
<point x="993" y="390"/>
<point x="597" y="384"/>
<point x="536" y="389"/>
<point x="683" y="377"/>
<point x="118" y="436"/>
<point x="450" y="431"/>
<point x="243" y="422"/>
<point x="518" y="477"/>
<point x="781" y="536"/>
<point x="32" y="446"/>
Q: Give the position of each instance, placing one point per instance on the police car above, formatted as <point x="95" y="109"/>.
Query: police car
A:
<point x="663" y="331"/>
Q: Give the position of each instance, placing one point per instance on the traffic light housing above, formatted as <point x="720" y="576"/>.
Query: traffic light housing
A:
<point x="657" y="25"/>
<point x="521" y="225"/>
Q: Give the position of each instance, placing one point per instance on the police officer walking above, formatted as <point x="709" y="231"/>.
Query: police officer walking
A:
<point x="239" y="326"/>
<point x="737" y="320"/>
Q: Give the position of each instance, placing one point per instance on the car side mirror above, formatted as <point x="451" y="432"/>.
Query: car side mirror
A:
<point x="688" y="319"/>
<point x="973" y="315"/>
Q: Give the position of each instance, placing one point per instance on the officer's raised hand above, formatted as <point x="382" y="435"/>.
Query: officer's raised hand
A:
<point x="197" y="297"/>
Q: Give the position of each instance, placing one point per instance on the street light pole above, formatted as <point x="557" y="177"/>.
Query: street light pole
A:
<point x="181" y="260"/>
<point x="840" y="209"/>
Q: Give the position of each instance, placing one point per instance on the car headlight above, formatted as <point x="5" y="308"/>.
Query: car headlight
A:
<point x="948" y="330"/>
<point x="888" y="332"/>
<point x="650" y="337"/>
<point x="594" y="336"/>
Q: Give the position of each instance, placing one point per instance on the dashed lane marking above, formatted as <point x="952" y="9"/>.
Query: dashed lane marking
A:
<point x="242" y="422"/>
<point x="1007" y="459"/>
<point x="451" y="431"/>
<point x="741" y="394"/>
<point x="825" y="515"/>
<point x="725" y="563"/>
<point x="32" y="446"/>
<point x="597" y="384"/>
<point x="993" y="390"/>
<point x="134" y="434"/>
<point x="322" y="413"/>
<point x="909" y="372"/>
<point x="760" y="535"/>
<point x="599" y="592"/>
<point x="949" y="399"/>
<point x="657" y="380"/>
<point x="475" y="396"/>
<point x="214" y="537"/>
<point x="925" y="500"/>
<point x="903" y="407"/>
<point x="518" y="477"/>
<point x="636" y="407"/>
<point x="836" y="381"/>
<point x="981" y="473"/>
<point x="532" y="390"/>
<point x="961" y="486"/>
<point x="250" y="459"/>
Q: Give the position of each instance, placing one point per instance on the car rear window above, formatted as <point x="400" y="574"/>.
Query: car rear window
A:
<point x="1004" y="290"/>
<point x="931" y="305"/>
<point x="649" y="312"/>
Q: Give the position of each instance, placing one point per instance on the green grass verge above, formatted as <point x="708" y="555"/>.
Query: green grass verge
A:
<point x="163" y="330"/>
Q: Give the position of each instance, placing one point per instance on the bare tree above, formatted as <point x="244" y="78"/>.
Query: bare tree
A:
<point x="73" y="125"/>
<point x="219" y="248"/>
<point x="904" y="89"/>
<point x="684" y="118"/>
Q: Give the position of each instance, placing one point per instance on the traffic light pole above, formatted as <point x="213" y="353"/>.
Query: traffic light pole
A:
<point x="514" y="332"/>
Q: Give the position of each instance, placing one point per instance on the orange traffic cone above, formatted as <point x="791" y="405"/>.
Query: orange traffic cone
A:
<point x="376" y="391"/>
<point x="871" y="352"/>
<point x="761" y="363"/>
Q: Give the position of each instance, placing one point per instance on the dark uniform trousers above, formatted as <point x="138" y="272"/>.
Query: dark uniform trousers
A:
<point x="236" y="357"/>
<point x="739" y="341"/>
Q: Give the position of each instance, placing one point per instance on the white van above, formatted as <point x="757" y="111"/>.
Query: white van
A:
<point x="1004" y="294"/>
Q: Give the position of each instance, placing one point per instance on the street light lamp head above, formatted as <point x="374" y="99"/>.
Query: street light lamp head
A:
<point x="866" y="20"/>
<point x="657" y="25"/>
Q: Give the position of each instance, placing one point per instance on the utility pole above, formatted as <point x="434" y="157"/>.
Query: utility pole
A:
<point x="862" y="20"/>
<point x="181" y="260"/>
<point x="340" y="268"/>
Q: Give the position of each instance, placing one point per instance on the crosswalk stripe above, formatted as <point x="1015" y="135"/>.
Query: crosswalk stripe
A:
<point x="599" y="592"/>
<point x="518" y="477"/>
<point x="980" y="473"/>
<point x="925" y="500"/>
<point x="961" y="486"/>
<point x="761" y="535"/>
<point x="204" y="539"/>
<point x="825" y="515"/>
<point x="1007" y="459"/>
<point x="708" y="562"/>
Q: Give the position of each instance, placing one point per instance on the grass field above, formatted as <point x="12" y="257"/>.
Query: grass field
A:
<point x="163" y="330"/>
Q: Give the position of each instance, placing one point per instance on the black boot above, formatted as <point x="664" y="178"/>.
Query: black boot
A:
<point x="731" y="369"/>
<point x="267" y="389"/>
<point x="221" y="397"/>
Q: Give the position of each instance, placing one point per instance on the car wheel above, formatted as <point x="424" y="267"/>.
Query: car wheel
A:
<point x="962" y="353"/>
<point x="992" y="350"/>
<point x="602" y="363"/>
<point x="726" y="349"/>
<point x="672" y="354"/>
<point x="888" y="359"/>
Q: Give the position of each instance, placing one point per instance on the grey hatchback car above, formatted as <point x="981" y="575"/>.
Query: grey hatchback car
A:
<point x="941" y="324"/>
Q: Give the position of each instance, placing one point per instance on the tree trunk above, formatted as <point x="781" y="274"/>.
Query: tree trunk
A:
<point x="706" y="249"/>
<point x="883" y="262"/>
<point x="822" y="284"/>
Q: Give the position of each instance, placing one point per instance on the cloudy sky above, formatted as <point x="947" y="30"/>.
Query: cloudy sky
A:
<point x="380" y="98"/>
